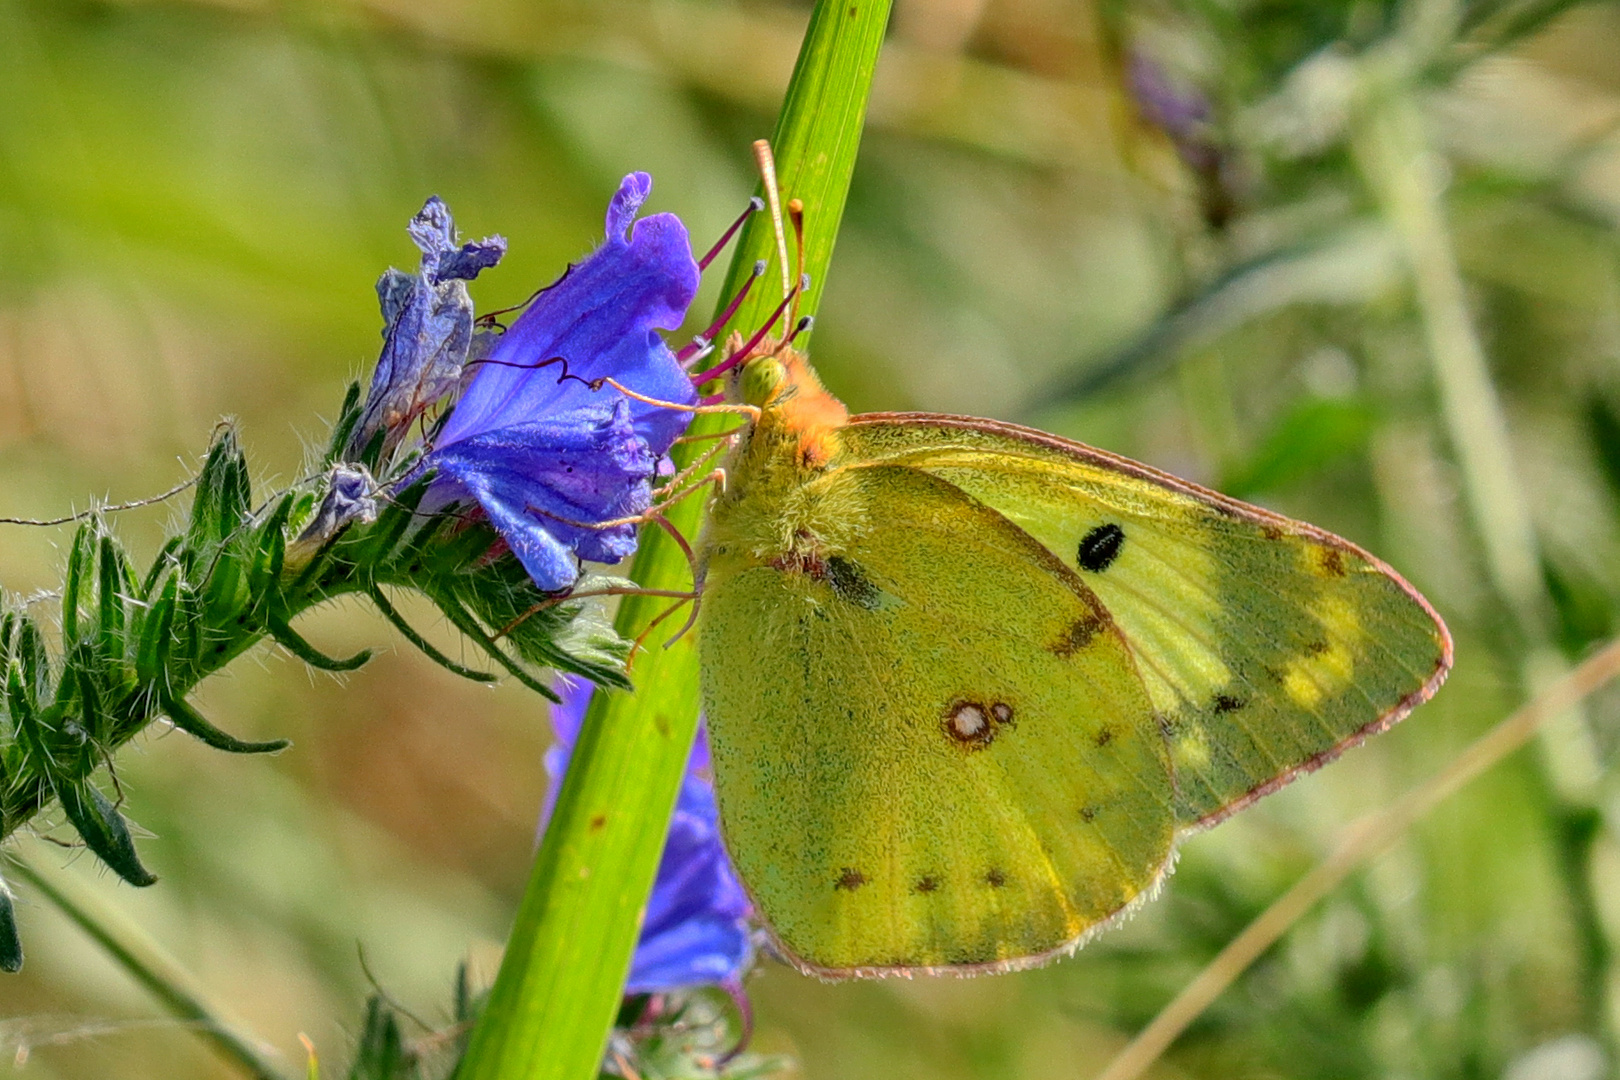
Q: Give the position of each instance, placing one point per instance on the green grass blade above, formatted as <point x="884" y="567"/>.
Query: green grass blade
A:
<point x="558" y="989"/>
<point x="176" y="989"/>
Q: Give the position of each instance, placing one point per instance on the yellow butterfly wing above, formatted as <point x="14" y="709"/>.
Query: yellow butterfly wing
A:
<point x="1267" y="646"/>
<point x="931" y="746"/>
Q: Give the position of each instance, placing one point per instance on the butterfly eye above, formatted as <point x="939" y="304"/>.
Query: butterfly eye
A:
<point x="760" y="378"/>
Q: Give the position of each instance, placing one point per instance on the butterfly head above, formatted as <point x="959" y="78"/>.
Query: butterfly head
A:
<point x="793" y="404"/>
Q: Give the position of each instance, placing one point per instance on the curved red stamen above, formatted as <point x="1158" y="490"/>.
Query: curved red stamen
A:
<point x="755" y="205"/>
<point x="700" y="344"/>
<point x="742" y="354"/>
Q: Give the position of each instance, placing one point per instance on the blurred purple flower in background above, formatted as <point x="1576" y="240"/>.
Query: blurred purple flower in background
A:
<point x="427" y="326"/>
<point x="696" y="928"/>
<point x="537" y="441"/>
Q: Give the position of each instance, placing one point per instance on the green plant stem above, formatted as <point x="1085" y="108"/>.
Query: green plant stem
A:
<point x="1407" y="175"/>
<point x="559" y="985"/>
<point x="1363" y="841"/>
<point x="147" y="962"/>
<point x="1398" y="163"/>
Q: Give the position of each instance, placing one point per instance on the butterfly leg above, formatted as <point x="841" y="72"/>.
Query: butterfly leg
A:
<point x="694" y="599"/>
<point x="697" y="465"/>
<point x="563" y="598"/>
<point x="717" y="477"/>
<point x="750" y="411"/>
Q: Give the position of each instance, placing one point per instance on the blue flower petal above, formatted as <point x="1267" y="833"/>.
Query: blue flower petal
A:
<point x="507" y="445"/>
<point x="427" y="326"/>
<point x="696" y="926"/>
<point x="544" y="482"/>
<point x="434" y="232"/>
<point x="601" y="319"/>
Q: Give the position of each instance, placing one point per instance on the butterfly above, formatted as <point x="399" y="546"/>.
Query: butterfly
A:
<point x="968" y="684"/>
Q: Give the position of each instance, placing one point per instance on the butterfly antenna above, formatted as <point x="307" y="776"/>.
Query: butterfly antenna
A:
<point x="802" y="326"/>
<point x="773" y="197"/>
<point x="795" y="209"/>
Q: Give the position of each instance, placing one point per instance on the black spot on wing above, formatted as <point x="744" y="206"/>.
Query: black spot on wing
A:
<point x="1100" y="547"/>
<point x="1330" y="562"/>
<point x="850" y="583"/>
<point x="850" y="879"/>
<point x="1079" y="634"/>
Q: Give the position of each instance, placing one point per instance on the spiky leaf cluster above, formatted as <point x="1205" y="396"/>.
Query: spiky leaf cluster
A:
<point x="134" y="645"/>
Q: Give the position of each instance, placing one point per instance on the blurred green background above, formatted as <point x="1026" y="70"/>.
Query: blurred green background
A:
<point x="1178" y="230"/>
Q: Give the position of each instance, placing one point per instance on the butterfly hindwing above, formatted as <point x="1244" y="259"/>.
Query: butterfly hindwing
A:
<point x="1266" y="645"/>
<point x="932" y="748"/>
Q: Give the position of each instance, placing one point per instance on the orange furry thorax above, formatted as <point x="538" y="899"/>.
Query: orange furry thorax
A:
<point x="799" y="413"/>
<point x="803" y="407"/>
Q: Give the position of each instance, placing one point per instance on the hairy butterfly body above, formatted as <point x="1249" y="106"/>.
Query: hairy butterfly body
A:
<point x="967" y="683"/>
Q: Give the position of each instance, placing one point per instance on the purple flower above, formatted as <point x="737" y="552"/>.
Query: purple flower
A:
<point x="1179" y="110"/>
<point x="696" y="926"/>
<point x="427" y="326"/>
<point x="537" y="440"/>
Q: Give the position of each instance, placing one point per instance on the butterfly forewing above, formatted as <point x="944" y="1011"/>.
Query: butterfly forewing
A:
<point x="932" y="747"/>
<point x="1266" y="645"/>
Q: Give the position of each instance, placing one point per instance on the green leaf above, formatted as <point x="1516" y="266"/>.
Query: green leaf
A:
<point x="381" y="1054"/>
<point x="224" y="497"/>
<point x="294" y="642"/>
<point x="113" y="575"/>
<point x="165" y="559"/>
<point x="193" y="723"/>
<point x="152" y="655"/>
<point x="97" y="723"/>
<point x="560" y="981"/>
<point x="380" y="541"/>
<point x="1309" y="437"/>
<point x="270" y="554"/>
<point x="29" y="651"/>
<point x="186" y="637"/>
<point x="104" y="830"/>
<point x="84" y="543"/>
<point x="465" y="621"/>
<point x="25" y="720"/>
<point x="348" y="416"/>
<point x="11" y="953"/>
<point x="427" y="648"/>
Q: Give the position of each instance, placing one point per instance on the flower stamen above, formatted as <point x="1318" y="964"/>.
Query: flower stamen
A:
<point x="748" y="348"/>
<point x="755" y="205"/>
<point x="701" y="345"/>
